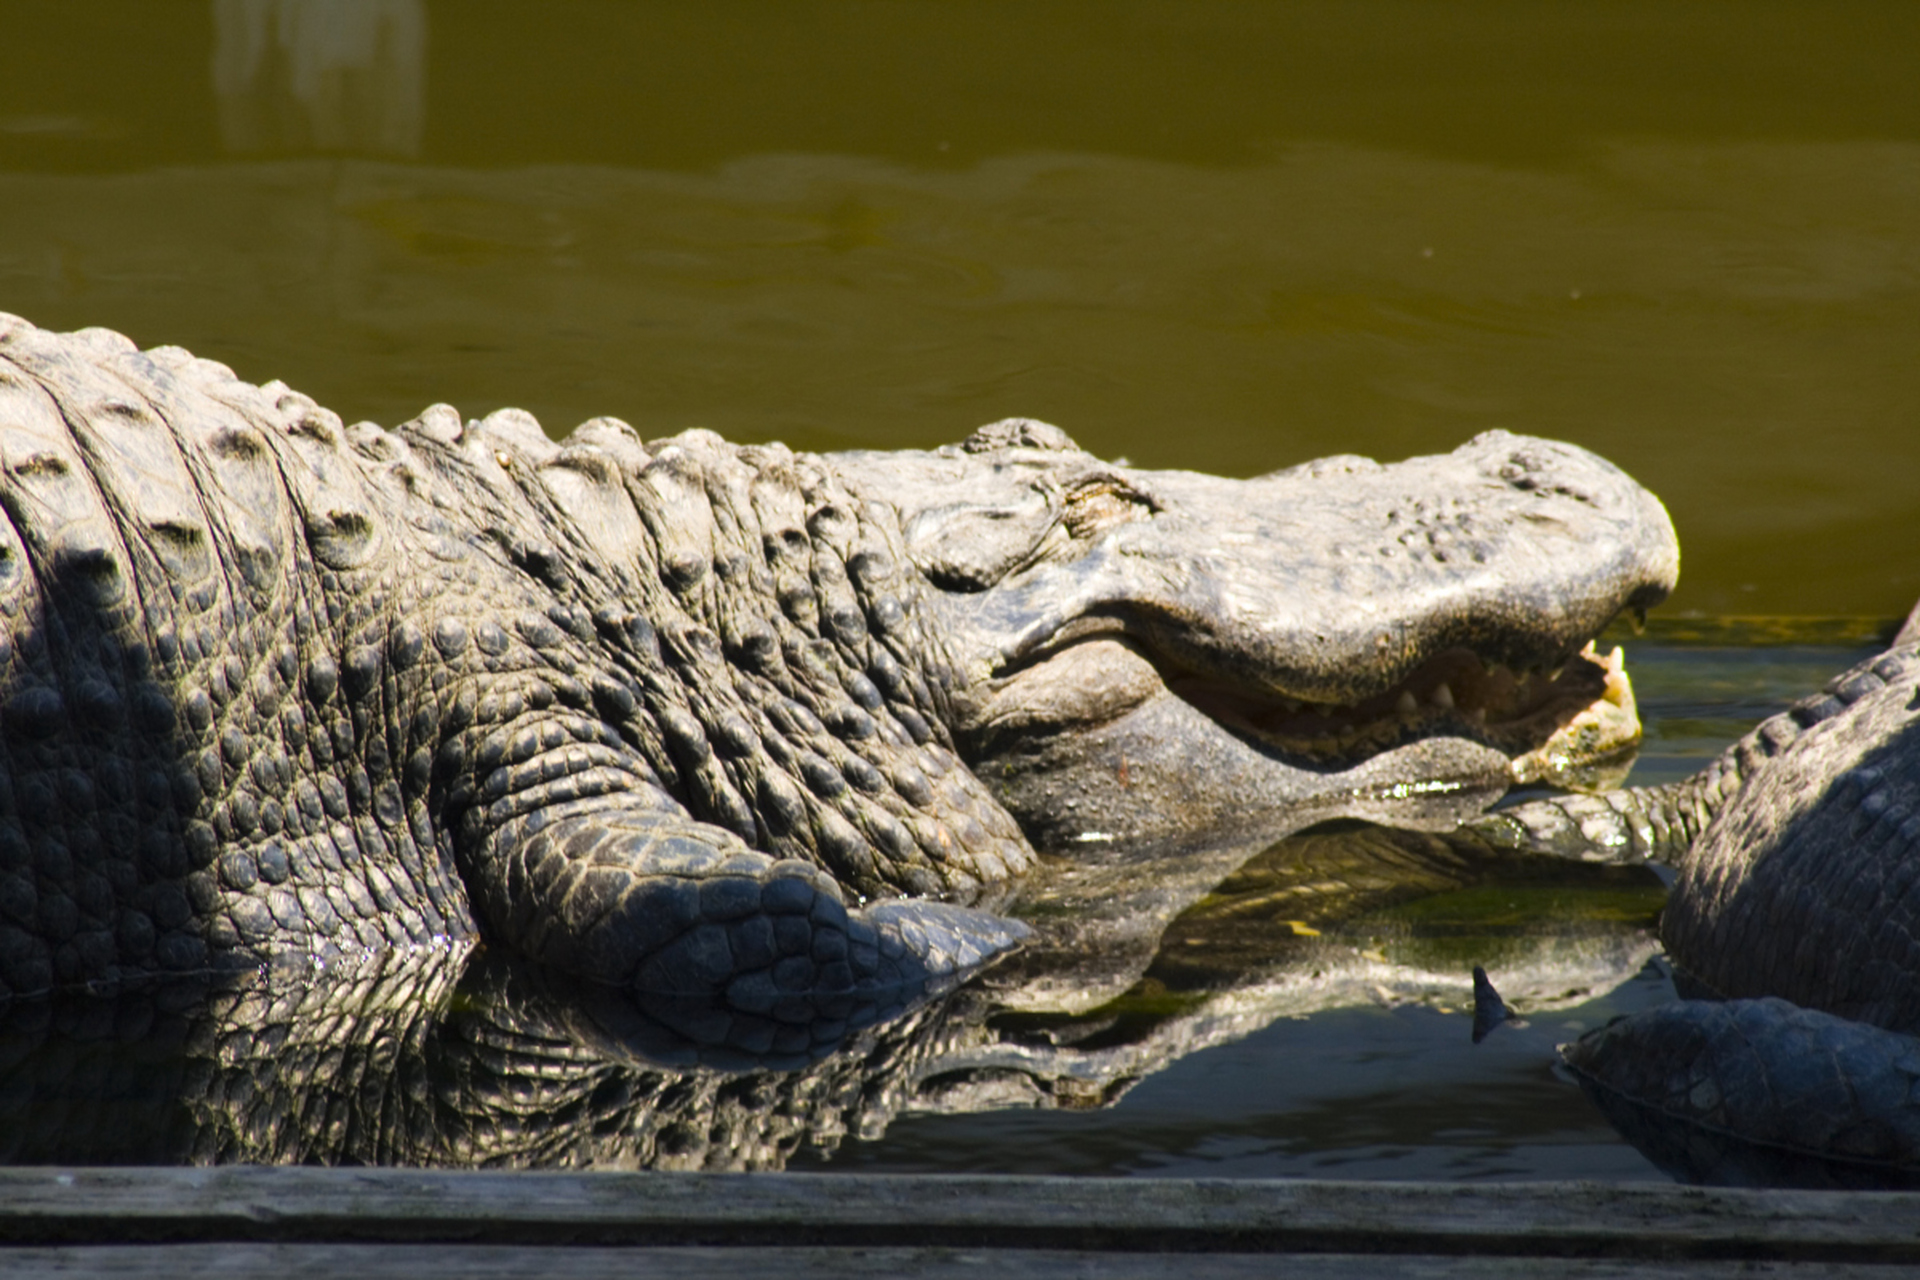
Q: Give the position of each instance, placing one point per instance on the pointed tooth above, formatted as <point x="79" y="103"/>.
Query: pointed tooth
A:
<point x="1478" y="716"/>
<point x="1617" y="660"/>
<point x="1442" y="696"/>
<point x="1408" y="704"/>
<point x="1290" y="706"/>
<point x="1557" y="672"/>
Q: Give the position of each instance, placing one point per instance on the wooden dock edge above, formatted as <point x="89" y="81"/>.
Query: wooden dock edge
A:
<point x="91" y="1208"/>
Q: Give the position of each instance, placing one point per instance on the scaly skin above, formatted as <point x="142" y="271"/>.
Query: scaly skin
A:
<point x="274" y="685"/>
<point x="1796" y="903"/>
<point x="1632" y="825"/>
<point x="282" y="685"/>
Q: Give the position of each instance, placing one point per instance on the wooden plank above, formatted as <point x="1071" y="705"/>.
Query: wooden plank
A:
<point x="480" y="1262"/>
<point x="785" y="1211"/>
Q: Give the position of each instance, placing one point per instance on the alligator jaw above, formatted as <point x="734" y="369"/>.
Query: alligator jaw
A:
<point x="1595" y="747"/>
<point x="1454" y="693"/>
<point x="1456" y="731"/>
<point x="1520" y="711"/>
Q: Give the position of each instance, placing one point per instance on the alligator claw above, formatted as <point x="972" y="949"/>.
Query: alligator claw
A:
<point x="950" y="940"/>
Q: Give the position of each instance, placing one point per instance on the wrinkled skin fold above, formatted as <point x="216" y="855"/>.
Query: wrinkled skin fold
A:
<point x="654" y="713"/>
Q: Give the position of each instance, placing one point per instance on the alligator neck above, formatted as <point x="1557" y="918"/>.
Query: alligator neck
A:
<point x="778" y="667"/>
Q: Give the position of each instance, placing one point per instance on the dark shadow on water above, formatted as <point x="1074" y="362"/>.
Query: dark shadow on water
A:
<point x="1318" y="977"/>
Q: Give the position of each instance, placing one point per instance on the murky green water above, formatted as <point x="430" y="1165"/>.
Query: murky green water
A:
<point x="1216" y="235"/>
<point x="1220" y="235"/>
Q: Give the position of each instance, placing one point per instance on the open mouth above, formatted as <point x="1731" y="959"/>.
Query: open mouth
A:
<point x="1518" y="711"/>
<point x="1551" y="722"/>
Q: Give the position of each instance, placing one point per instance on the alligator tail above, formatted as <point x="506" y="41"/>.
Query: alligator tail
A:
<point x="1660" y="824"/>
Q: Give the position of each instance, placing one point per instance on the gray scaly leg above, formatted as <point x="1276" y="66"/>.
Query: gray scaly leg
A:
<point x="745" y="951"/>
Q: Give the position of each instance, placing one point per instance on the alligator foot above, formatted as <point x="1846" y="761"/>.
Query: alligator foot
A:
<point x="878" y="964"/>
<point x="731" y="948"/>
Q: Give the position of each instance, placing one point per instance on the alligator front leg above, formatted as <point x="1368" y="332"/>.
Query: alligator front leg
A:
<point x="752" y="953"/>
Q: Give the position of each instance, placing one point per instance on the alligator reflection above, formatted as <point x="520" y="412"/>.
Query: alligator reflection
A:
<point x="460" y="1058"/>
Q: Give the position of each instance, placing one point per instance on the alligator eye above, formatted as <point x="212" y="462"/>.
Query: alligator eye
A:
<point x="1102" y="503"/>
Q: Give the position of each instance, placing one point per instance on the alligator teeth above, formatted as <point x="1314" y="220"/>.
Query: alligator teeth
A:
<point x="1618" y="691"/>
<point x="1442" y="696"/>
<point x="1557" y="672"/>
<point x="1478" y="716"/>
<point x="1408" y="704"/>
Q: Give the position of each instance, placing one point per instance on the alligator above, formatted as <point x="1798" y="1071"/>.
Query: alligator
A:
<point x="1794" y="927"/>
<point x="689" y="718"/>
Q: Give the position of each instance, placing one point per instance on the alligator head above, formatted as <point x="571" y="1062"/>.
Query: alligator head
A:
<point x="1137" y="654"/>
